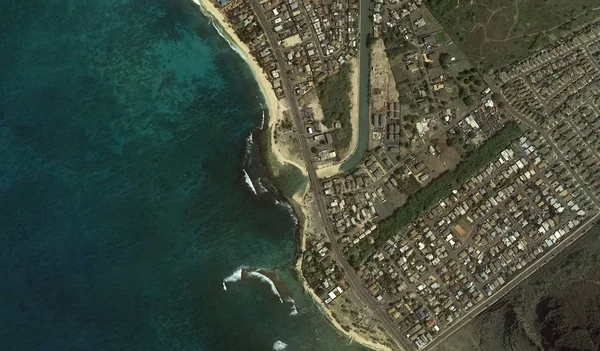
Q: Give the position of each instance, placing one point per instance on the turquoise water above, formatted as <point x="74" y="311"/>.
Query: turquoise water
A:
<point x="124" y="130"/>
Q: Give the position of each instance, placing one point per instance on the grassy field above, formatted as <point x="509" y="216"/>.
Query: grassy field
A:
<point x="496" y="33"/>
<point x="335" y="101"/>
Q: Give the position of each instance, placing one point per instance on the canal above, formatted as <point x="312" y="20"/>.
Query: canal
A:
<point x="364" y="29"/>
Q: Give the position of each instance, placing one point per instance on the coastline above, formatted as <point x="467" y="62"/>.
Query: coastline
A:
<point x="304" y="205"/>
<point x="276" y="107"/>
<point x="298" y="202"/>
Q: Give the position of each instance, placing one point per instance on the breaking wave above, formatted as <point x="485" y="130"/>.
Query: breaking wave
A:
<point x="261" y="187"/>
<point x="217" y="27"/>
<point x="249" y="182"/>
<point x="237" y="276"/>
<point x="262" y="121"/>
<point x="290" y="210"/>
<point x="266" y="279"/>
<point x="279" y="345"/>
<point x="294" y="309"/>
<point x="234" y="277"/>
<point x="249" y="144"/>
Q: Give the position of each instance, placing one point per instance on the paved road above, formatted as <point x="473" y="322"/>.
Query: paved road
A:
<point x="513" y="283"/>
<point x="350" y="275"/>
<point x="541" y="261"/>
<point x="349" y="272"/>
<point x="526" y="121"/>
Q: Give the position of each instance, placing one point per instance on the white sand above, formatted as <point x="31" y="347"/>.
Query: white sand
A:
<point x="275" y="106"/>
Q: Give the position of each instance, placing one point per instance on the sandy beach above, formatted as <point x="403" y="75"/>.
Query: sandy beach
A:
<point x="276" y="107"/>
<point x="281" y="152"/>
<point x="304" y="203"/>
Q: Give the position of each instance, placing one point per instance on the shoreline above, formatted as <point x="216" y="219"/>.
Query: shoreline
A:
<point x="304" y="208"/>
<point x="297" y="202"/>
<point x="275" y="107"/>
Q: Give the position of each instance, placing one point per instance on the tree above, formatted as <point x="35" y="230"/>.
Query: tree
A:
<point x="468" y="100"/>
<point x="445" y="59"/>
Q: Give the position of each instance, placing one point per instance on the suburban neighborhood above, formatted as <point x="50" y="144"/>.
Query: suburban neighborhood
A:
<point x="469" y="180"/>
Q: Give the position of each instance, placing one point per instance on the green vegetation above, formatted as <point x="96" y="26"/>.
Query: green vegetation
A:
<point x="395" y="43"/>
<point x="440" y="187"/>
<point x="335" y="102"/>
<point x="443" y="185"/>
<point x="359" y="253"/>
<point x="495" y="34"/>
<point x="441" y="37"/>
<point x="370" y="40"/>
<point x="541" y="40"/>
<point x="445" y="60"/>
<point x="468" y="100"/>
<point x="463" y="94"/>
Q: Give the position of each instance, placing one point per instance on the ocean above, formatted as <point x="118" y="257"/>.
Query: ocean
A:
<point x="131" y="191"/>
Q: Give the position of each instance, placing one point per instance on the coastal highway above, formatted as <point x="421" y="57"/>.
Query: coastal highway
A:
<point x="349" y="272"/>
<point x="350" y="275"/>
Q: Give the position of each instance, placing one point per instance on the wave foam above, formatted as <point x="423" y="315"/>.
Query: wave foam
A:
<point x="279" y="345"/>
<point x="262" y="121"/>
<point x="218" y="28"/>
<point x="290" y="210"/>
<point x="249" y="182"/>
<point x="261" y="187"/>
<point x="234" y="277"/>
<point x="249" y="144"/>
<point x="266" y="279"/>
<point x="294" y="309"/>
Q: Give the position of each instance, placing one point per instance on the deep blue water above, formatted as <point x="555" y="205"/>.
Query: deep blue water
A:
<point x="123" y="133"/>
